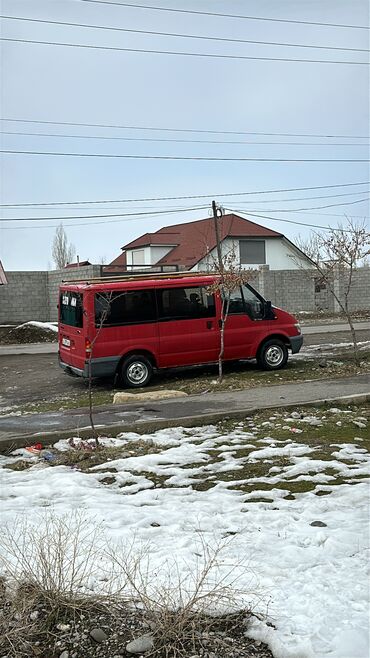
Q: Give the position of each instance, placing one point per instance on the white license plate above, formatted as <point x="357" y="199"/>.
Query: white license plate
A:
<point x="66" y="342"/>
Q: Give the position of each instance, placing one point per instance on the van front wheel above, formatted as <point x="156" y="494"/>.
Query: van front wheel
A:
<point x="136" y="371"/>
<point x="273" y="355"/>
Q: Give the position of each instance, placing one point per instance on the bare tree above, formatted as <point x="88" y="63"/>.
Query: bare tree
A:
<point x="230" y="276"/>
<point x="105" y="301"/>
<point x="336" y="255"/>
<point x="62" y="251"/>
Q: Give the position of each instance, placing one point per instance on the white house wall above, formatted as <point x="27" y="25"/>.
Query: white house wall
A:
<point x="151" y="255"/>
<point x="145" y="259"/>
<point x="156" y="253"/>
<point x="280" y="255"/>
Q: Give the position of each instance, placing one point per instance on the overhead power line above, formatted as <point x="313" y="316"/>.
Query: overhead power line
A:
<point x="308" y="212"/>
<point x="125" y="219"/>
<point x="179" y="141"/>
<point x="221" y="15"/>
<point x="178" y="157"/>
<point x="158" y="212"/>
<point x="309" y="198"/>
<point x="120" y="214"/>
<point x="181" y="53"/>
<point x="89" y="206"/>
<point x="183" y="36"/>
<point x="330" y="205"/>
<point x="183" y="197"/>
<point x="181" y="130"/>
<point x="288" y="221"/>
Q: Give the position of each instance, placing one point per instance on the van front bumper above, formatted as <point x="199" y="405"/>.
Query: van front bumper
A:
<point x="296" y="343"/>
<point x="104" y="367"/>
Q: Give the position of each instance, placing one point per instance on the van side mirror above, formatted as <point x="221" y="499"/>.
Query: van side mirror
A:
<point x="268" y="311"/>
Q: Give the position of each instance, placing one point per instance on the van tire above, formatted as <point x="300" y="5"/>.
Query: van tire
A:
<point x="272" y="355"/>
<point x="136" y="371"/>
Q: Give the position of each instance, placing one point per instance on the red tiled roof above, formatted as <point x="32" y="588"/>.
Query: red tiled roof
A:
<point x="199" y="238"/>
<point x="118" y="264"/>
<point x="165" y="236"/>
<point x="194" y="240"/>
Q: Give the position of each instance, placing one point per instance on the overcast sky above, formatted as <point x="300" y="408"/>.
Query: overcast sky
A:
<point x="64" y="84"/>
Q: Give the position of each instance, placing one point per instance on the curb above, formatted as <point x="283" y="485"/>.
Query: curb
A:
<point x="149" y="426"/>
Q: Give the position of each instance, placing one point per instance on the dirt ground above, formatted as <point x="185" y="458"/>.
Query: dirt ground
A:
<point x="35" y="378"/>
<point x="26" y="334"/>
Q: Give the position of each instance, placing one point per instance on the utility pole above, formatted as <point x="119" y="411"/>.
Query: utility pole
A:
<point x="217" y="214"/>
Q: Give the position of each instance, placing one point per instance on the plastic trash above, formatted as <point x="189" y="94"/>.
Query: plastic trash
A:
<point x="48" y="456"/>
<point x="35" y="449"/>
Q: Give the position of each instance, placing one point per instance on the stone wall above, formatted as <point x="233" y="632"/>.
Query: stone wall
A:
<point x="303" y="291"/>
<point x="25" y="297"/>
<point x="359" y="297"/>
<point x="55" y="278"/>
<point x="34" y="295"/>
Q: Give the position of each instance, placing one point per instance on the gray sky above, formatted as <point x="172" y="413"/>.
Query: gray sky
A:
<point x="54" y="83"/>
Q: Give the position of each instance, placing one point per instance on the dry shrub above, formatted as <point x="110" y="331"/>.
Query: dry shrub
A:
<point x="46" y="571"/>
<point x="187" y="609"/>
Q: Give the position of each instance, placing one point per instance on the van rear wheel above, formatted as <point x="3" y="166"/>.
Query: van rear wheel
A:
<point x="136" y="371"/>
<point x="273" y="355"/>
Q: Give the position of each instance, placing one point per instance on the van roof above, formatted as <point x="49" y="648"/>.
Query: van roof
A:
<point x="154" y="281"/>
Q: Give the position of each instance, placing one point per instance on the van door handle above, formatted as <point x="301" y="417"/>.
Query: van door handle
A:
<point x="209" y="324"/>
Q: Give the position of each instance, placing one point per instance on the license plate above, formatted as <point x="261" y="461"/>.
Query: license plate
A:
<point x="66" y="342"/>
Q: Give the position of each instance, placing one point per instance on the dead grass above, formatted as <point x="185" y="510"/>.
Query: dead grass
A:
<point x="87" y="459"/>
<point x="47" y="564"/>
<point x="45" y="595"/>
<point x="190" y="612"/>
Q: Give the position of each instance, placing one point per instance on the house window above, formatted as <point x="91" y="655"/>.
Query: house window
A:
<point x="138" y="257"/>
<point x="252" y="252"/>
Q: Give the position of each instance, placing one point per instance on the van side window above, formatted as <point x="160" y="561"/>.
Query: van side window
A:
<point x="236" y="303"/>
<point x="117" y="308"/>
<point x="253" y="303"/>
<point x="244" y="300"/>
<point x="185" y="303"/>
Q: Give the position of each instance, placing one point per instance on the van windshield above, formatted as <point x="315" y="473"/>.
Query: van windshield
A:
<point x="71" y="309"/>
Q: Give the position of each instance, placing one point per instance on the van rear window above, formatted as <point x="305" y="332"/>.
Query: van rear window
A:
<point x="71" y="308"/>
<point x="118" y="308"/>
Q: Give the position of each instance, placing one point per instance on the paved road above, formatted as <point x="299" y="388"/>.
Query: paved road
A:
<point x="334" y="328"/>
<point x="192" y="410"/>
<point x="312" y="330"/>
<point x="29" y="348"/>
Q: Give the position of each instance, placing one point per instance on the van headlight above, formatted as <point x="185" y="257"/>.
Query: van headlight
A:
<point x="298" y="327"/>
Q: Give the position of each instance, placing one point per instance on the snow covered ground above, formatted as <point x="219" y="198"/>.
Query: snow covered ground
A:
<point x="309" y="582"/>
<point x="47" y="326"/>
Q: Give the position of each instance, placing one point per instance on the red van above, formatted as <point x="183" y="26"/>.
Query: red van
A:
<point x="133" y="326"/>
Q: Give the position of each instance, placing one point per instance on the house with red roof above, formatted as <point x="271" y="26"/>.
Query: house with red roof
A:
<point x="192" y="246"/>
